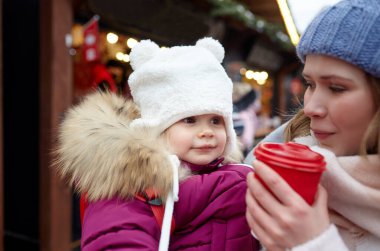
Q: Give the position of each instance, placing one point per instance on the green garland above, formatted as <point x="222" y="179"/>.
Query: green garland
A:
<point x="243" y="14"/>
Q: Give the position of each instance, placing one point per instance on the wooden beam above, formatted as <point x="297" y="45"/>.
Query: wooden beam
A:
<point x="56" y="17"/>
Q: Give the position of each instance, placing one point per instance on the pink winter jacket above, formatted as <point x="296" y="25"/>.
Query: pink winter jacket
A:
<point x="102" y="156"/>
<point x="210" y="215"/>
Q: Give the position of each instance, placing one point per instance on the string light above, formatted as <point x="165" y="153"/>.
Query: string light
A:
<point x="259" y="76"/>
<point x="131" y="42"/>
<point x="112" y="38"/>
<point x="289" y="22"/>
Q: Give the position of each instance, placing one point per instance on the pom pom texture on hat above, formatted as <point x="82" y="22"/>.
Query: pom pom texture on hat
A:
<point x="213" y="46"/>
<point x="170" y="84"/>
<point x="142" y="53"/>
<point x="349" y="30"/>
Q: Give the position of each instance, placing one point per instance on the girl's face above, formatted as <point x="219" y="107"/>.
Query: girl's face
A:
<point x="339" y="102"/>
<point x="198" y="139"/>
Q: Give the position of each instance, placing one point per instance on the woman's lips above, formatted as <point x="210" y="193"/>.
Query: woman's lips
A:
<point x="320" y="135"/>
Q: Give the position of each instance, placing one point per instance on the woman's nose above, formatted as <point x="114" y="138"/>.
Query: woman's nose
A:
<point x="315" y="105"/>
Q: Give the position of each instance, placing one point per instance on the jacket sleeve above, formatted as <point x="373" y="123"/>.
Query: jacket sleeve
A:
<point x="328" y="240"/>
<point x="119" y="225"/>
<point x="201" y="195"/>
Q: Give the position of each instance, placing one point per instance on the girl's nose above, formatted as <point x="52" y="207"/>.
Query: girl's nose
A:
<point x="315" y="105"/>
<point x="206" y="133"/>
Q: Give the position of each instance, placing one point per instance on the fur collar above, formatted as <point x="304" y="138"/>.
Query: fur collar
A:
<point x="99" y="154"/>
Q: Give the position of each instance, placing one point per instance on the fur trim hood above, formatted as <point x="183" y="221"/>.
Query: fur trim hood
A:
<point x="99" y="154"/>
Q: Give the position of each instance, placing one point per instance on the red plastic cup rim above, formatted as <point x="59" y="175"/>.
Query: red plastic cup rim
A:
<point x="290" y="155"/>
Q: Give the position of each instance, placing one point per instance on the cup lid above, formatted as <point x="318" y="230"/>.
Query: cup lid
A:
<point x="290" y="155"/>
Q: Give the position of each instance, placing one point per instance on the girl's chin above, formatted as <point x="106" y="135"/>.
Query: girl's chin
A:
<point x="201" y="162"/>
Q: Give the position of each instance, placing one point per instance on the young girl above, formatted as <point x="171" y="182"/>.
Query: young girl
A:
<point x="128" y="156"/>
<point x="341" y="120"/>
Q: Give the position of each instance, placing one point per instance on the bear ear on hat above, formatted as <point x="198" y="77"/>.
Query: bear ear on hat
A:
<point x="213" y="46"/>
<point x="142" y="52"/>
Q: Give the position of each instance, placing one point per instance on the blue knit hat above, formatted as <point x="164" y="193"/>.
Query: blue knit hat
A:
<point x="349" y="30"/>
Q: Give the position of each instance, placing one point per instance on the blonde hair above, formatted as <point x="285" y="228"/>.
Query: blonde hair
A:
<point x="300" y="124"/>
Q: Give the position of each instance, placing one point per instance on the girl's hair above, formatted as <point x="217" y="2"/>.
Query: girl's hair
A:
<point x="300" y="124"/>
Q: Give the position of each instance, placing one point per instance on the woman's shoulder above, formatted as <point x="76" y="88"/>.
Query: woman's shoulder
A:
<point x="276" y="136"/>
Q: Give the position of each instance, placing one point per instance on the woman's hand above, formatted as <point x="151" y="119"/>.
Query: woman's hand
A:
<point x="282" y="219"/>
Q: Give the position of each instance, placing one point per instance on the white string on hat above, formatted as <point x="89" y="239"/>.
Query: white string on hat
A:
<point x="169" y="206"/>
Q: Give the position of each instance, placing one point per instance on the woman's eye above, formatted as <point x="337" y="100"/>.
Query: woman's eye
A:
<point x="308" y="84"/>
<point x="337" y="88"/>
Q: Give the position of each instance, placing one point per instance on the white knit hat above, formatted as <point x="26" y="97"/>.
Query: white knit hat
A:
<point x="170" y="84"/>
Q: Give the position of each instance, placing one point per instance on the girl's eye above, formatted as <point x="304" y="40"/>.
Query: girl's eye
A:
<point x="189" y="120"/>
<point x="217" y="120"/>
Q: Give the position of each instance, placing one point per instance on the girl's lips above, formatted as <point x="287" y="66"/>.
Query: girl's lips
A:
<point x="204" y="148"/>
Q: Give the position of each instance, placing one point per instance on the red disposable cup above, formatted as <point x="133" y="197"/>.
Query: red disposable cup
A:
<point x="297" y="164"/>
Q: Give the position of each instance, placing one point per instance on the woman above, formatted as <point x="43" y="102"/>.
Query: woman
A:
<point x="341" y="120"/>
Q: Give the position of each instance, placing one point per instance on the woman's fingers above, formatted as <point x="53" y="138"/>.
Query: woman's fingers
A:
<point x="277" y="185"/>
<point x="255" y="209"/>
<point x="320" y="214"/>
<point x="277" y="215"/>
<point x="259" y="221"/>
<point x="321" y="197"/>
